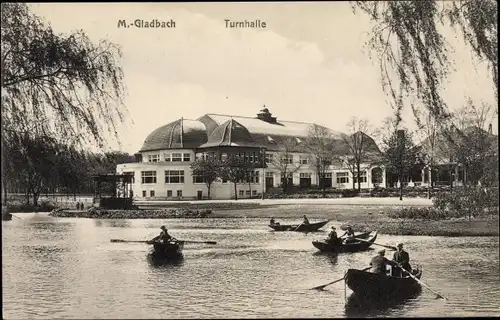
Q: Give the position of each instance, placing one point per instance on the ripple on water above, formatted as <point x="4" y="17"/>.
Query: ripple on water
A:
<point x="65" y="268"/>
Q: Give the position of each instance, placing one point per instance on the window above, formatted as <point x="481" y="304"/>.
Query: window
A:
<point x="242" y="193"/>
<point x="254" y="178"/>
<point x="148" y="176"/>
<point x="174" y="176"/>
<point x="144" y="193"/>
<point x="342" y="177"/>
<point x="179" y="193"/>
<point x="152" y="193"/>
<point x="153" y="158"/>
<point x="167" y="157"/>
<point x="303" y="160"/>
<point x="169" y="193"/>
<point x="287" y="159"/>
<point x="254" y="192"/>
<point x="305" y="179"/>
<point x="176" y="157"/>
<point x="130" y="174"/>
<point x="198" y="178"/>
<point x="187" y="157"/>
<point x="247" y="193"/>
<point x="269" y="174"/>
<point x="362" y="177"/>
<point x="269" y="157"/>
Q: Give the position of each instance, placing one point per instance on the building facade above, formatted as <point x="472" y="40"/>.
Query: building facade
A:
<point x="163" y="171"/>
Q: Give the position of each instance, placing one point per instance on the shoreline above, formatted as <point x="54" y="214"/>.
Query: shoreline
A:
<point x="360" y="217"/>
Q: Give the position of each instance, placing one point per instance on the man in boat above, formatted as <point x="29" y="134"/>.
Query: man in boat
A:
<point x="379" y="263"/>
<point x="273" y="222"/>
<point x="349" y="234"/>
<point x="306" y="221"/>
<point x="163" y="236"/>
<point x="332" y="237"/>
<point x="403" y="258"/>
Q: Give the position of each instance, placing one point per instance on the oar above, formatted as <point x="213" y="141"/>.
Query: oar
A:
<point x="298" y="227"/>
<point x="329" y="283"/>
<point x="149" y="241"/>
<point x="133" y="241"/>
<point x="418" y="280"/>
<point x="192" y="241"/>
<point x="378" y="244"/>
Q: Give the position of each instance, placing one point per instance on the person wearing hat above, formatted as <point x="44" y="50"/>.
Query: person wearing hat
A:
<point x="402" y="258"/>
<point x="163" y="236"/>
<point x="379" y="263"/>
<point x="332" y="237"/>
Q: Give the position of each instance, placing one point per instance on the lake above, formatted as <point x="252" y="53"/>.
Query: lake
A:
<point x="67" y="268"/>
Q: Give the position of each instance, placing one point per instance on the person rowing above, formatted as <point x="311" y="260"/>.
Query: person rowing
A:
<point x="402" y="258"/>
<point x="273" y="222"/>
<point x="379" y="263"/>
<point x="306" y="221"/>
<point x="163" y="237"/>
<point x="349" y="234"/>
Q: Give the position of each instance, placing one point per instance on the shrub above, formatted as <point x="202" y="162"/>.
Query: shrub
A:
<point x="349" y="193"/>
<point x="467" y="201"/>
<point x="425" y="213"/>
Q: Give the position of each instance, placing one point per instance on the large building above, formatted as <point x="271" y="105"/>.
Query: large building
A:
<point x="163" y="171"/>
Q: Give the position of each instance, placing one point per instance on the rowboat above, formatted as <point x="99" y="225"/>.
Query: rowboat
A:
<point x="348" y="245"/>
<point x="380" y="287"/>
<point x="6" y="216"/>
<point x="164" y="253"/>
<point x="311" y="227"/>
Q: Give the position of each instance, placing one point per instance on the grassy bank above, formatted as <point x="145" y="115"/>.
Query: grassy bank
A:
<point x="374" y="218"/>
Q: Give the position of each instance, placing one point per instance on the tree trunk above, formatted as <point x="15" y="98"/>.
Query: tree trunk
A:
<point x="208" y="187"/>
<point x="250" y="188"/>
<point x="235" y="193"/>
<point x="400" y="187"/>
<point x="429" y="188"/>
<point x="358" y="169"/>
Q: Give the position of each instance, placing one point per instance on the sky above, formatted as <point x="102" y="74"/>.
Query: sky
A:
<point x="309" y="64"/>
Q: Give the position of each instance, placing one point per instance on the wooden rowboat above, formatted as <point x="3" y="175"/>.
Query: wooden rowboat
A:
<point x="350" y="246"/>
<point x="381" y="287"/>
<point x="311" y="227"/>
<point x="164" y="253"/>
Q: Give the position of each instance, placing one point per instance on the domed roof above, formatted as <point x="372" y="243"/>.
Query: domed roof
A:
<point x="180" y="134"/>
<point x="230" y="133"/>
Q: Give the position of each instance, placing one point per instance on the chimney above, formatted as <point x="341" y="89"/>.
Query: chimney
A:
<point x="266" y="116"/>
<point x="490" y="129"/>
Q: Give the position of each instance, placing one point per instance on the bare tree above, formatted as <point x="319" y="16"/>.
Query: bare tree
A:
<point x="359" y="144"/>
<point x="208" y="170"/>
<point x="469" y="143"/>
<point x="322" y="149"/>
<point x="429" y="130"/>
<point x="232" y="170"/>
<point x="284" y="162"/>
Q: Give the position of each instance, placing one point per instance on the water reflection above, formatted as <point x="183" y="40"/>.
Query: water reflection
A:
<point x="364" y="307"/>
<point x="112" y="223"/>
<point x="170" y="264"/>
<point x="67" y="268"/>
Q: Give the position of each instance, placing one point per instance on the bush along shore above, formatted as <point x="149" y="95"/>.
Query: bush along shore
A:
<point x="95" y="213"/>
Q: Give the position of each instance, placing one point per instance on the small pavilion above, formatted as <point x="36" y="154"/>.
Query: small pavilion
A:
<point x="113" y="191"/>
